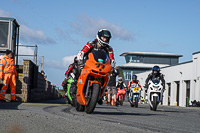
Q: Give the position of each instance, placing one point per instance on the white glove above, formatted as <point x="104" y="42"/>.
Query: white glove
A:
<point x="72" y="75"/>
<point x="80" y="55"/>
<point x="113" y="63"/>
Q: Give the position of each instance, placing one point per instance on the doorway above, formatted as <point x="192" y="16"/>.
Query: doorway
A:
<point x="169" y="93"/>
<point x="177" y="92"/>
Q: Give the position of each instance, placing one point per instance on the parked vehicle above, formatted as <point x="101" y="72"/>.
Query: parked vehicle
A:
<point x="155" y="93"/>
<point x="92" y="80"/>
<point x="134" y="95"/>
<point x="195" y="103"/>
<point x="121" y="96"/>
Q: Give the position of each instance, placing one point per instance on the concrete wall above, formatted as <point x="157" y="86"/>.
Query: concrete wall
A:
<point x="182" y="73"/>
<point x="31" y="85"/>
<point x="37" y="87"/>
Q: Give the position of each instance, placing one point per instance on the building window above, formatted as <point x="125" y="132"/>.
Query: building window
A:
<point x="3" y="34"/>
<point x="127" y="75"/>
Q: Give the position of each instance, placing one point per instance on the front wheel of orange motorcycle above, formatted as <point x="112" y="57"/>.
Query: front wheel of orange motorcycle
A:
<point x="93" y="99"/>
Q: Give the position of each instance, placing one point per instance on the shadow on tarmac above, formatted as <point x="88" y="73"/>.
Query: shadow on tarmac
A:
<point x="169" y="111"/>
<point x="54" y="101"/>
<point x="122" y="113"/>
<point x="9" y="105"/>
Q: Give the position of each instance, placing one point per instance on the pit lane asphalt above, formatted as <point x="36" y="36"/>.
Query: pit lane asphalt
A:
<point x="55" y="117"/>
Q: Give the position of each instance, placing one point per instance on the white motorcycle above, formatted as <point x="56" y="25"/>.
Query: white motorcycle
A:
<point x="155" y="93"/>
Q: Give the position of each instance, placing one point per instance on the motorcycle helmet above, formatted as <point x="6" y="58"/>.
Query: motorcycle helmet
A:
<point x="120" y="80"/>
<point x="104" y="33"/>
<point x="156" y="68"/>
<point x="134" y="77"/>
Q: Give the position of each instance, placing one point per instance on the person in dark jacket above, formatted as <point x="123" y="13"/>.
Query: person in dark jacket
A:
<point x="111" y="87"/>
<point x="155" y="75"/>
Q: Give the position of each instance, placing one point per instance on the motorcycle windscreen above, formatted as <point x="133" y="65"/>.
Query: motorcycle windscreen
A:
<point x="156" y="81"/>
<point x="100" y="56"/>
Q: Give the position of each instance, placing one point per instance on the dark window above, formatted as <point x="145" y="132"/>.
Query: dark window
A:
<point x="128" y="59"/>
<point x="174" y="61"/>
<point x="3" y="34"/>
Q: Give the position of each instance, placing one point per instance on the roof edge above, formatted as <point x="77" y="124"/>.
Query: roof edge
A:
<point x="196" y="53"/>
<point x="151" y="54"/>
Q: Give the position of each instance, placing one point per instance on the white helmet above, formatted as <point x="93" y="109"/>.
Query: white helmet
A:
<point x="105" y="33"/>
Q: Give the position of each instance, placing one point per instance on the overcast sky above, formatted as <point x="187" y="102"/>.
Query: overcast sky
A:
<point x="61" y="28"/>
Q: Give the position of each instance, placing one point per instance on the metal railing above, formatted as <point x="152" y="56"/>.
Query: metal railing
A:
<point x="34" y="55"/>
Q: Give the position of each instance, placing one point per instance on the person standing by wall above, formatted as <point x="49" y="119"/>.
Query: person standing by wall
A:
<point x="8" y="75"/>
<point x="111" y="87"/>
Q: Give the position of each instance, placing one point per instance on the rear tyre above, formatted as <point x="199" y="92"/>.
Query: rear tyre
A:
<point x="121" y="102"/>
<point x="154" y="103"/>
<point x="68" y="101"/>
<point x="136" y="102"/>
<point x="132" y="105"/>
<point x="73" y="101"/>
<point x="93" y="100"/>
<point x="151" y="108"/>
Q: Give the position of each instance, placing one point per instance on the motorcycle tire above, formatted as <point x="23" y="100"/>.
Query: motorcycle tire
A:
<point x="136" y="102"/>
<point x="154" y="103"/>
<point x="132" y="102"/>
<point x="67" y="100"/>
<point x="121" y="102"/>
<point x="151" y="108"/>
<point x="73" y="102"/>
<point x="93" y="100"/>
<point x="132" y="105"/>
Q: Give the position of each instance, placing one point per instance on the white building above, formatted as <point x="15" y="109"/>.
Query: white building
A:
<point x="138" y="62"/>
<point x="182" y="81"/>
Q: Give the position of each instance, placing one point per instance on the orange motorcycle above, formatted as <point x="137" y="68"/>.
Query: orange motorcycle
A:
<point x="92" y="81"/>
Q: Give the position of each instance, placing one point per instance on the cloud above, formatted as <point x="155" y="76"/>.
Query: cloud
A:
<point x="34" y="36"/>
<point x="28" y="35"/>
<point x="4" y="13"/>
<point x="53" y="64"/>
<point x="88" y="27"/>
<point x="65" y="35"/>
<point x="66" y="61"/>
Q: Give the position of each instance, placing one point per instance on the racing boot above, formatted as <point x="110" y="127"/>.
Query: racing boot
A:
<point x="100" y="102"/>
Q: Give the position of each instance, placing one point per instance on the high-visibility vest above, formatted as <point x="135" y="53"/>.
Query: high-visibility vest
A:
<point x="7" y="65"/>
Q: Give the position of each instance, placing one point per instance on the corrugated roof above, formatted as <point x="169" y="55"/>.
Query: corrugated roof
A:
<point x="141" y="65"/>
<point x="150" y="54"/>
<point x="9" y="19"/>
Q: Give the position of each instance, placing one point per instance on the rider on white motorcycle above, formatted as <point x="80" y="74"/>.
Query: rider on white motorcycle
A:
<point x="155" y="75"/>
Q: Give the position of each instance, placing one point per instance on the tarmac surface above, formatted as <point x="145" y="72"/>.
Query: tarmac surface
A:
<point x="57" y="117"/>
